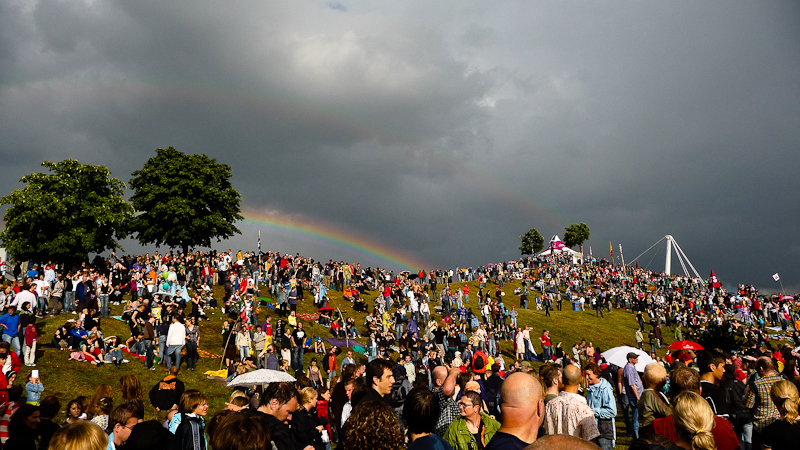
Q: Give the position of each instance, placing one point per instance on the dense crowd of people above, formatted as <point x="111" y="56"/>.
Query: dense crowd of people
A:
<point x="435" y="375"/>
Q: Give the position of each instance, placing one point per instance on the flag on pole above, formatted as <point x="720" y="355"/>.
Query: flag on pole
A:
<point x="611" y="250"/>
<point x="259" y="242"/>
<point x="714" y="281"/>
<point x="776" y="277"/>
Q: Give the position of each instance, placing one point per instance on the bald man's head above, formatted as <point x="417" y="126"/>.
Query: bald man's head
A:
<point x="562" y="441"/>
<point x="439" y="374"/>
<point x="520" y="389"/>
<point x="572" y="376"/>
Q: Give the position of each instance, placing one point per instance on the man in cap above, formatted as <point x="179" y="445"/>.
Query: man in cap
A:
<point x="633" y="387"/>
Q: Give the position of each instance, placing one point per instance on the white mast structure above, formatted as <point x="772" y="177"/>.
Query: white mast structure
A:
<point x="682" y="258"/>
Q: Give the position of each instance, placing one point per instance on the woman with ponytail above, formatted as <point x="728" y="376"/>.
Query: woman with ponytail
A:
<point x="693" y="419"/>
<point x="783" y="433"/>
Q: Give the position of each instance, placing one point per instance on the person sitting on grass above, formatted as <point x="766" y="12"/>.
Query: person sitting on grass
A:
<point x="92" y="350"/>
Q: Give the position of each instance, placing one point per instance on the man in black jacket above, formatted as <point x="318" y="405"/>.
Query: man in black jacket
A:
<point x="166" y="394"/>
<point x="277" y="404"/>
<point x="379" y="375"/>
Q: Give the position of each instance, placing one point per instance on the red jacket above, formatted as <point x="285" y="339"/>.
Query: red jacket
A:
<point x="724" y="436"/>
<point x="16" y="363"/>
<point x="323" y="412"/>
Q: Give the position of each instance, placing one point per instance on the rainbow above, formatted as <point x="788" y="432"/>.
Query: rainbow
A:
<point x="330" y="235"/>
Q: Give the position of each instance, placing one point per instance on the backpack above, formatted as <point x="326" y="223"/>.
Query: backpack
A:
<point x="325" y="364"/>
<point x="479" y="362"/>
<point x="734" y="395"/>
<point x="399" y="393"/>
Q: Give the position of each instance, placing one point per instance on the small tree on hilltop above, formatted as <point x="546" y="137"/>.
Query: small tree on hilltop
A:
<point x="532" y="242"/>
<point x="65" y="215"/>
<point x="576" y="234"/>
<point x="184" y="200"/>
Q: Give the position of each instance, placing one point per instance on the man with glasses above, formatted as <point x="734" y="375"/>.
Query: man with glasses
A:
<point x="474" y="429"/>
<point x="123" y="419"/>
<point x="349" y="358"/>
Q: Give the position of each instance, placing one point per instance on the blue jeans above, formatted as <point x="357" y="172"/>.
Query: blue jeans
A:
<point x="148" y="358"/>
<point x="297" y="358"/>
<point x="174" y="351"/>
<point x="162" y="348"/>
<point x="746" y="436"/>
<point x="14" y="341"/>
<point x="635" y="418"/>
<point x="113" y="354"/>
<point x="605" y="444"/>
<point x="625" y="409"/>
<point x="68" y="299"/>
<point x="103" y="305"/>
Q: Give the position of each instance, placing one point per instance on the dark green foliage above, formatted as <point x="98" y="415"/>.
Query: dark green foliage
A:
<point x="66" y="214"/>
<point x="576" y="234"/>
<point x="532" y="242"/>
<point x="184" y="200"/>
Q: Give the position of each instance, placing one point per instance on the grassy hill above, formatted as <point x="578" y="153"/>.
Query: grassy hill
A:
<point x="69" y="379"/>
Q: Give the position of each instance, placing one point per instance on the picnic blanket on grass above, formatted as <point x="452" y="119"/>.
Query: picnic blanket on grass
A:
<point x="342" y="342"/>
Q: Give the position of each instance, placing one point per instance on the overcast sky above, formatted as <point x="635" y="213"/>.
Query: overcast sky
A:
<point x="442" y="130"/>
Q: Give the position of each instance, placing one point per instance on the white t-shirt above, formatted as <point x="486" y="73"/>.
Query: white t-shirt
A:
<point x="22" y="298"/>
<point x="41" y="287"/>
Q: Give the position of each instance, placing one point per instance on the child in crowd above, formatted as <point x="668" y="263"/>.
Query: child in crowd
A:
<point x="31" y="337"/>
<point x="34" y="388"/>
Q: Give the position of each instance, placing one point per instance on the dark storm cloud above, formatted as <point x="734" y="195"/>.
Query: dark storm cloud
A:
<point x="445" y="130"/>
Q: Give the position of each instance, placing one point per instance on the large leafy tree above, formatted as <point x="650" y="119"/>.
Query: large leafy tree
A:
<point x="66" y="214"/>
<point x="184" y="200"/>
<point x="576" y="234"/>
<point x="532" y="242"/>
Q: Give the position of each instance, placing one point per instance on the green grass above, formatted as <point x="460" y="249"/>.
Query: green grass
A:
<point x="69" y="379"/>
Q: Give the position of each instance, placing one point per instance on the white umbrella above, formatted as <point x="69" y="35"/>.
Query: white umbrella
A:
<point x="261" y="376"/>
<point x="619" y="357"/>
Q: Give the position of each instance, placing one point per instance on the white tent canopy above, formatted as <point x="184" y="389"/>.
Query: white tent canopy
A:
<point x="557" y="246"/>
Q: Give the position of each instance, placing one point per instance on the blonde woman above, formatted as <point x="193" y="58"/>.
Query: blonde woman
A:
<point x="306" y="430"/>
<point x="784" y="433"/>
<point x="693" y="419"/>
<point x="83" y="435"/>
